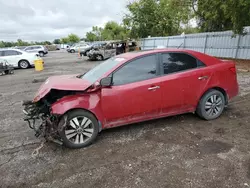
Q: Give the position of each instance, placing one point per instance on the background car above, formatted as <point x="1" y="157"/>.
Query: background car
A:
<point x="76" y="47"/>
<point x="41" y="50"/>
<point x="130" y="88"/>
<point x="102" y="51"/>
<point x="85" y="51"/>
<point x="19" y="58"/>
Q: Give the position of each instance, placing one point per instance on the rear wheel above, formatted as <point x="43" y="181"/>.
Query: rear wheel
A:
<point x="41" y="54"/>
<point x="211" y="105"/>
<point x="23" y="64"/>
<point x="81" y="129"/>
<point x="72" y="51"/>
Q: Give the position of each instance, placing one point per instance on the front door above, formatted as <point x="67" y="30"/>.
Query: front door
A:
<point x="135" y="94"/>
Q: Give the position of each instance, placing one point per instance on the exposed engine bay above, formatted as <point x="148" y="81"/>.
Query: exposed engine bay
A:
<point x="41" y="120"/>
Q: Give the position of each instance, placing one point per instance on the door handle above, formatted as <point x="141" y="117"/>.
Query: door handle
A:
<point x="203" y="78"/>
<point x="153" y="88"/>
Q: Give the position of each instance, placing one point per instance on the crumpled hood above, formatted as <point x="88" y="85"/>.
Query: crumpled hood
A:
<point x="65" y="82"/>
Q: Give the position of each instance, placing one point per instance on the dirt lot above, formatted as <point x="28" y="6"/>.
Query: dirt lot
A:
<point x="180" y="151"/>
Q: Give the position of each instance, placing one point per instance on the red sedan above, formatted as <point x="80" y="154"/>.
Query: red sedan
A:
<point x="130" y="88"/>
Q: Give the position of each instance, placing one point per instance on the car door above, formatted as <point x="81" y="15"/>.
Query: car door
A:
<point x="181" y="82"/>
<point x="135" y="94"/>
<point x="12" y="57"/>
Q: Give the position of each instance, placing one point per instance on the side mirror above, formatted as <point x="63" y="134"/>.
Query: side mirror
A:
<point x="106" y="81"/>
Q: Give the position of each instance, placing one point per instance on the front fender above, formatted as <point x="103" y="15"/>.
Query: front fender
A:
<point x="89" y="102"/>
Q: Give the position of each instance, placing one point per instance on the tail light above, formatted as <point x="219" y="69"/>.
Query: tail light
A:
<point x="233" y="70"/>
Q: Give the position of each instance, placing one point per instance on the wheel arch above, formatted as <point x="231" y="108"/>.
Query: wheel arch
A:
<point x="23" y="60"/>
<point x="218" y="89"/>
<point x="89" y="111"/>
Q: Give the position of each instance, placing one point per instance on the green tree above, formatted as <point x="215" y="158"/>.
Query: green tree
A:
<point x="64" y="40"/>
<point x="2" y="45"/>
<point x="73" y="38"/>
<point x="156" y="17"/>
<point x="218" y="15"/>
<point x="57" y="41"/>
<point x="90" y="36"/>
<point x="111" y="31"/>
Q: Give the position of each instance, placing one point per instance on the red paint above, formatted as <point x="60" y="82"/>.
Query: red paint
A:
<point x="65" y="82"/>
<point x="119" y="105"/>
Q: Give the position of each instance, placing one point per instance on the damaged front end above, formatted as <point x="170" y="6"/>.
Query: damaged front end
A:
<point x="39" y="117"/>
<point x="41" y="121"/>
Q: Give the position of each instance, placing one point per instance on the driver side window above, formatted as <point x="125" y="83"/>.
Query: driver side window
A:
<point x="137" y="70"/>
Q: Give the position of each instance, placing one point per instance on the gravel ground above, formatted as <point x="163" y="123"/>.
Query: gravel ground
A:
<point x="179" y="151"/>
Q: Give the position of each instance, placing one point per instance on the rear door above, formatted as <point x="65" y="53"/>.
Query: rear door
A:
<point x="187" y="77"/>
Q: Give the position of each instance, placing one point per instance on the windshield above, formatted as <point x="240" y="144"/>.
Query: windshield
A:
<point x="98" y="71"/>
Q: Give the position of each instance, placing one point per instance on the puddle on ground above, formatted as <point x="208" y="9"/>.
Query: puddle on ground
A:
<point x="214" y="147"/>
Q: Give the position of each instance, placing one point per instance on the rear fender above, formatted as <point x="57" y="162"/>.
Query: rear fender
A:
<point x="89" y="102"/>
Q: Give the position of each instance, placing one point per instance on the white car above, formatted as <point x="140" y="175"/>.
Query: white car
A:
<point x="18" y="58"/>
<point x="77" y="47"/>
<point x="41" y="50"/>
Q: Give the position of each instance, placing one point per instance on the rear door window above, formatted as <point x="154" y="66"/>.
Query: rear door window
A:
<point x="10" y="53"/>
<point x="177" y="62"/>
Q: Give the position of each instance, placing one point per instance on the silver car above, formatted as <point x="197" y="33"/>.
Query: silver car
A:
<point x="41" y="50"/>
<point x="102" y="51"/>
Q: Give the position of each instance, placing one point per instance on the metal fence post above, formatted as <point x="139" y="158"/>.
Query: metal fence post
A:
<point x="184" y="42"/>
<point x="154" y="44"/>
<point x="237" y="47"/>
<point x="205" y="45"/>
<point x="167" y="42"/>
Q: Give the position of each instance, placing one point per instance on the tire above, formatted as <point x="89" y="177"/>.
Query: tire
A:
<point x="99" y="57"/>
<point x="76" y="136"/>
<point x="41" y="54"/>
<point x="23" y="64"/>
<point x="72" y="51"/>
<point x="211" y="105"/>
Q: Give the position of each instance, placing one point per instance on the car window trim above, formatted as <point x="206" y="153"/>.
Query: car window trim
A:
<point x="4" y="52"/>
<point x="162" y="67"/>
<point x="145" y="55"/>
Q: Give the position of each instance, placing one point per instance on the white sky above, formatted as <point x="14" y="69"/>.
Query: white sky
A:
<point x="34" y="20"/>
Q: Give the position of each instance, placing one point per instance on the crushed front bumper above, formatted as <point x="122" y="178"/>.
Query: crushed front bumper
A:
<point x="44" y="125"/>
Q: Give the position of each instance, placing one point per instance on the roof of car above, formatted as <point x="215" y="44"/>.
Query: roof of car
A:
<point x="201" y="56"/>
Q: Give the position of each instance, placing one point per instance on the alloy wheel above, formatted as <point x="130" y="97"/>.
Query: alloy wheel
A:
<point x="99" y="57"/>
<point x="79" y="130"/>
<point x="214" y="105"/>
<point x="24" y="64"/>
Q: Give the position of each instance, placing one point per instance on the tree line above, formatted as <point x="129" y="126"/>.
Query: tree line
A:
<point x="165" y="18"/>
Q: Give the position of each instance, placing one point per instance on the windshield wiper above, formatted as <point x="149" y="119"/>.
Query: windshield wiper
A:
<point x="80" y="75"/>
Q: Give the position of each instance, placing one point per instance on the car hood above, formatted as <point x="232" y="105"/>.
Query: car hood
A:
<point x="64" y="82"/>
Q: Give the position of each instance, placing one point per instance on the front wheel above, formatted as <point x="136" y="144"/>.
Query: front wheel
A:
<point x="80" y="130"/>
<point x="23" y="64"/>
<point x="99" y="57"/>
<point x="211" y="105"/>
